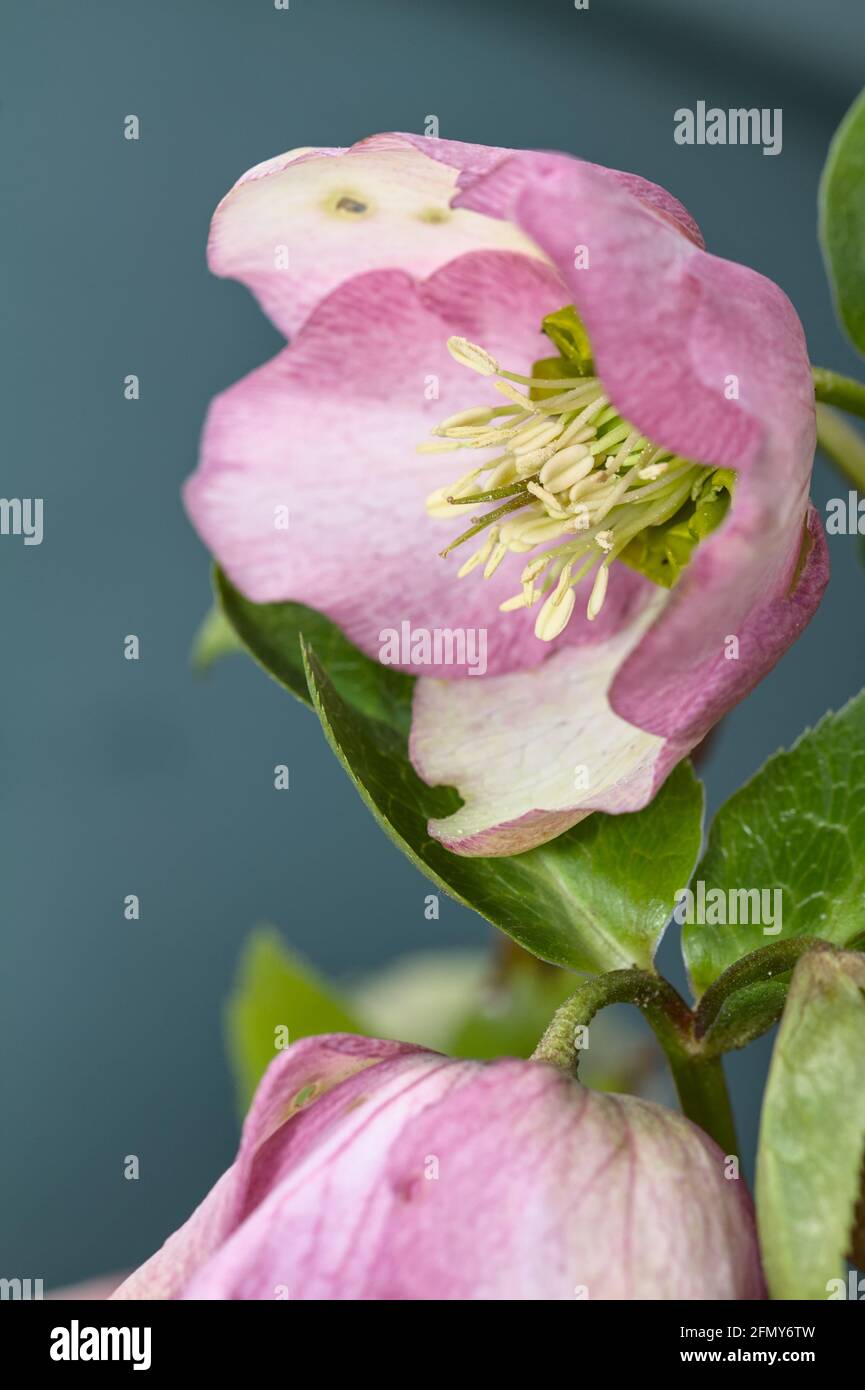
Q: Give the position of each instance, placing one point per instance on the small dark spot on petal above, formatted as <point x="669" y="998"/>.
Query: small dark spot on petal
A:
<point x="347" y="204"/>
<point x="434" y="215"/>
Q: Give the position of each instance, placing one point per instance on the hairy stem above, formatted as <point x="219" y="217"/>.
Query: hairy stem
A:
<point x="699" y="1080"/>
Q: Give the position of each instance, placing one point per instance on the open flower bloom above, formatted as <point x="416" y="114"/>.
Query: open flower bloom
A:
<point x="649" y="550"/>
<point x="378" y="1170"/>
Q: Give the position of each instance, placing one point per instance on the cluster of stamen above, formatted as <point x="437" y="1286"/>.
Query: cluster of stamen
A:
<point x="571" y="476"/>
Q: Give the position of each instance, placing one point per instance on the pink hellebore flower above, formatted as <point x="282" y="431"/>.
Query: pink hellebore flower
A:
<point x="371" y="259"/>
<point x="379" y="1170"/>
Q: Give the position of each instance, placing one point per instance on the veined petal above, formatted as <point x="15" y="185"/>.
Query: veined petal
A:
<point x="307" y="1070"/>
<point x="423" y="1177"/>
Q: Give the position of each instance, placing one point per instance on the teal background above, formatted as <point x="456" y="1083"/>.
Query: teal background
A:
<point x="121" y="777"/>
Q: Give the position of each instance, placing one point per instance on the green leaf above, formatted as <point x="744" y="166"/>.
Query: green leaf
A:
<point x="271" y="633"/>
<point x="747" y="1014"/>
<point x="798" y="826"/>
<point x="596" y="898"/>
<point x="842" y="220"/>
<point x="812" y="1131"/>
<point x="275" y="989"/>
<point x="214" y="639"/>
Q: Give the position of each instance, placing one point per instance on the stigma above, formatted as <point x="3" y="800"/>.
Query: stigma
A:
<point x="570" y="480"/>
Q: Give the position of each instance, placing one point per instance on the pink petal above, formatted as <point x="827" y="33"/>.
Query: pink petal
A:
<point x="288" y="206"/>
<point x="670" y="326"/>
<point x="510" y="170"/>
<point x="324" y="1063"/>
<point x="329" y="428"/>
<point x="436" y="1179"/>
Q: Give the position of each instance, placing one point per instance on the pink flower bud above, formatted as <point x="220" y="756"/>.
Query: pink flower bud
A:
<point x="379" y="1170"/>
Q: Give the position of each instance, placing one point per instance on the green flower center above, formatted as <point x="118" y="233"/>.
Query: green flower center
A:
<point x="574" y="481"/>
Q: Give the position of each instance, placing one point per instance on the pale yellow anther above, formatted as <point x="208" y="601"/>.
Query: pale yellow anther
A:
<point x="537" y="438"/>
<point x="554" y="616"/>
<point x="528" y="464"/>
<point x="563" y="585"/>
<point x="566" y="467"/>
<point x="488" y="439"/>
<point x="543" y="529"/>
<point x="502" y="474"/>
<point x="534" y="568"/>
<point x="480" y="556"/>
<point x="498" y="554"/>
<point x="605" y="540"/>
<point x="513" y="530"/>
<point x="510" y="605"/>
<point x="438" y="504"/>
<point x="437" y="446"/>
<point x="551" y="503"/>
<point x="478" y="415"/>
<point x="470" y="355"/>
<point x="653" y="471"/>
<point x="599" y="593"/>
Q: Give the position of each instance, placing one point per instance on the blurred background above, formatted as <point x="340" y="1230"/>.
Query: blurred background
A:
<point x="142" y="777"/>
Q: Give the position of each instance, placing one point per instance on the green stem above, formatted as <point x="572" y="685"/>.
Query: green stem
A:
<point x="699" y="1080"/>
<point x="842" y="391"/>
<point x="776" y="959"/>
<point x="704" y="1098"/>
<point x="843" y="444"/>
